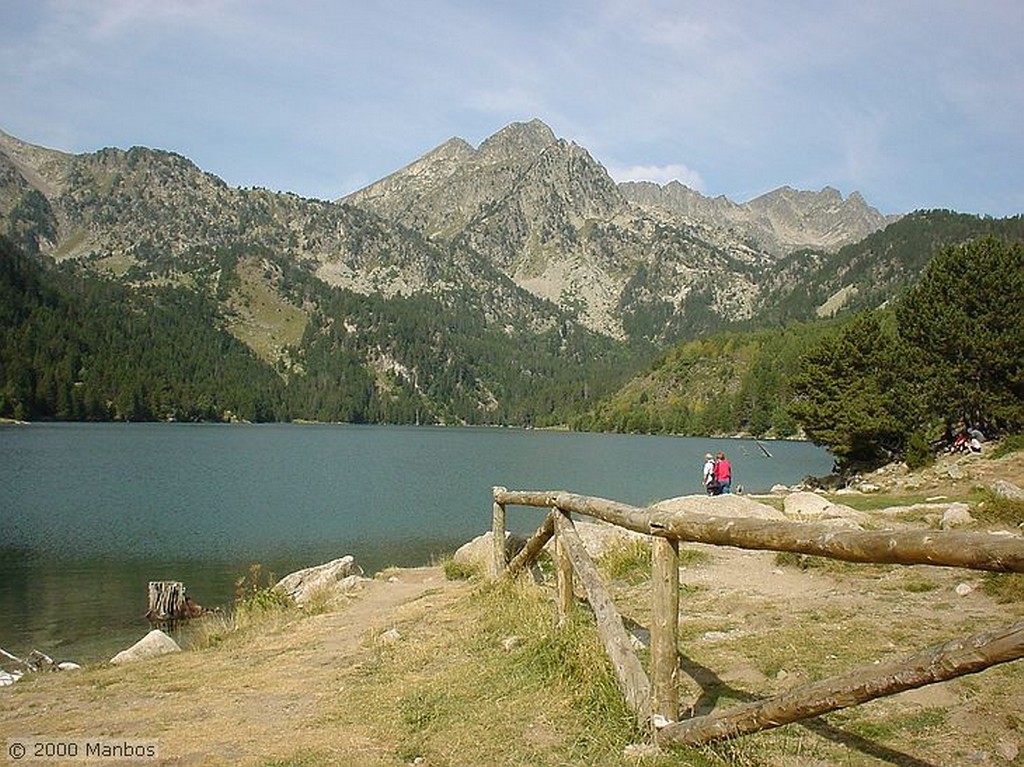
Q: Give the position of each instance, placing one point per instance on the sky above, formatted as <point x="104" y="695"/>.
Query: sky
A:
<point x="913" y="103"/>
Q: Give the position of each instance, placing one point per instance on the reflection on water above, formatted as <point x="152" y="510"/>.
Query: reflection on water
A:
<point x="89" y="513"/>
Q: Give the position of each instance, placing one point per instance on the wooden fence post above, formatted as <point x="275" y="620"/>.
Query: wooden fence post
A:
<point x="630" y="674"/>
<point x="665" y="627"/>
<point x="563" y="577"/>
<point x="498" y="534"/>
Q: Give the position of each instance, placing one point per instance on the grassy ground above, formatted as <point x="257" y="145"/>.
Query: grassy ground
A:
<point x="419" y="669"/>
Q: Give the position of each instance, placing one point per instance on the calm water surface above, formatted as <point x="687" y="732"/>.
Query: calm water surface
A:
<point x="89" y="513"/>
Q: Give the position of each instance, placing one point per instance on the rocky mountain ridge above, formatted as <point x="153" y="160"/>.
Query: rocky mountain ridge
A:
<point x="628" y="257"/>
<point x="527" y="226"/>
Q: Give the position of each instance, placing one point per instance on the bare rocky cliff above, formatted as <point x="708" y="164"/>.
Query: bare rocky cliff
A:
<point x="628" y="258"/>
<point x="524" y="211"/>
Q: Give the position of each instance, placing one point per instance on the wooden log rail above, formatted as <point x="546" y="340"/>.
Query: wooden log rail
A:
<point x="656" y="701"/>
<point x="945" y="548"/>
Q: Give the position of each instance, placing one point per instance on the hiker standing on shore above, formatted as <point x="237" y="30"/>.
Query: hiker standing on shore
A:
<point x="723" y="474"/>
<point x="709" y="474"/>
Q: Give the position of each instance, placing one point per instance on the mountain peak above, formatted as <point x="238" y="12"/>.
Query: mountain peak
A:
<point x="517" y="139"/>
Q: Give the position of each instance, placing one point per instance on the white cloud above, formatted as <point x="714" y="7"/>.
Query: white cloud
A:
<point x="659" y="174"/>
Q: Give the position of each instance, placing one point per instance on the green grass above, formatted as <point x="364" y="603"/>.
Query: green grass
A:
<point x="1005" y="588"/>
<point x="627" y="560"/>
<point x="998" y="509"/>
<point x="459" y="571"/>
<point x="1007" y="445"/>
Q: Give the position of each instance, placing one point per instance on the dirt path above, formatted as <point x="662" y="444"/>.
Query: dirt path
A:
<point x="266" y="699"/>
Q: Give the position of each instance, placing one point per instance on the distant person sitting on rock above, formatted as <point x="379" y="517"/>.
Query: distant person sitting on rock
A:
<point x="723" y="474"/>
<point x="961" y="444"/>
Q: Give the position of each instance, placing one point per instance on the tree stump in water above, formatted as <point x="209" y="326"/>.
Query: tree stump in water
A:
<point x="167" y="602"/>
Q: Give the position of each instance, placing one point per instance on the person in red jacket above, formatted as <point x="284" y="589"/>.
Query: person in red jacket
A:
<point x="723" y="473"/>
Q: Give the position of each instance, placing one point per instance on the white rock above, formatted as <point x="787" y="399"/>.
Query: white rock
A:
<point x="1008" y="750"/>
<point x="956" y="515"/>
<point x="660" y="721"/>
<point x="727" y="505"/>
<point x="963" y="589"/>
<point x="154" y="644"/>
<point x="302" y="584"/>
<point x="1007" y="490"/>
<point x="640" y="752"/>
<point x="811" y="506"/>
<point x="479" y="552"/>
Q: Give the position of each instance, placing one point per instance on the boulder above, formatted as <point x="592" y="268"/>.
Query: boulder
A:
<point x="154" y="644"/>
<point x="1005" y="489"/>
<point x="811" y="506"/>
<point x="727" y="505"/>
<point x="336" y="574"/>
<point x="598" y="536"/>
<point x="477" y="552"/>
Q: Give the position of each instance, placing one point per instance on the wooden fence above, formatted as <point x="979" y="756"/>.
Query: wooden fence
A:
<point x="654" y="700"/>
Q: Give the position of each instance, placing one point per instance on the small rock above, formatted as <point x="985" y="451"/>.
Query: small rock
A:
<point x="639" y="751"/>
<point x="389" y="637"/>
<point x="963" y="589"/>
<point x="714" y="636"/>
<point x="508" y="644"/>
<point x="957" y="515"/>
<point x="1008" y="750"/>
<point x="66" y="665"/>
<point x="660" y="721"/>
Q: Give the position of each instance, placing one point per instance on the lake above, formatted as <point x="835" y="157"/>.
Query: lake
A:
<point x="89" y="513"/>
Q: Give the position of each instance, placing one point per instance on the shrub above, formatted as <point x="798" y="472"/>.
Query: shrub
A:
<point x="459" y="571"/>
<point x="919" y="452"/>
<point x="255" y="592"/>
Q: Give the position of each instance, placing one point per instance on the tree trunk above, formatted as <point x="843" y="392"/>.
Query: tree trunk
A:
<point x="166" y="601"/>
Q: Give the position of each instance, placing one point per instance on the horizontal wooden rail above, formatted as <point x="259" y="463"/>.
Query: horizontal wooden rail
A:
<point x="944" y="548"/>
<point x="936" y="664"/>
